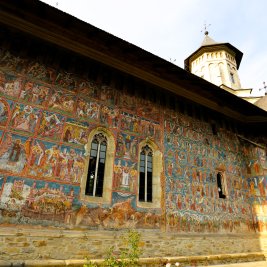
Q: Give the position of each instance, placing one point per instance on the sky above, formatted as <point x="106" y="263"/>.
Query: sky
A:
<point x="174" y="29"/>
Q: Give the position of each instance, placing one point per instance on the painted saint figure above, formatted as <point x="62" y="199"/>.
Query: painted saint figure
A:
<point x="15" y="151"/>
<point x="125" y="175"/>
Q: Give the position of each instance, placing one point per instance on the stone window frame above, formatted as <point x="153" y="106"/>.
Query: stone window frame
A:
<point x="108" y="174"/>
<point x="157" y="167"/>
<point x="221" y="170"/>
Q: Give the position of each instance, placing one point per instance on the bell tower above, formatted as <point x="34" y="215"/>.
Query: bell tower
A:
<point x="215" y="62"/>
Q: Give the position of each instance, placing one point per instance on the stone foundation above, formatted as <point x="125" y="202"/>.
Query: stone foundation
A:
<point x="40" y="247"/>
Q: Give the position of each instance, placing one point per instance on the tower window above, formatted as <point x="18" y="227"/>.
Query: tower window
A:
<point x="232" y="77"/>
<point x="145" y="174"/>
<point x="96" y="169"/>
<point x="220" y="184"/>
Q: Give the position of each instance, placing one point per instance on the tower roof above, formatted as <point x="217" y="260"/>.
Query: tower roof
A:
<point x="207" y="40"/>
<point x="209" y="45"/>
<point x="262" y="103"/>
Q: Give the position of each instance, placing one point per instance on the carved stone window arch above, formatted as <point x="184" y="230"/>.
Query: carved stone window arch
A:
<point x="95" y="176"/>
<point x="100" y="151"/>
<point x="150" y="151"/>
<point x="146" y="174"/>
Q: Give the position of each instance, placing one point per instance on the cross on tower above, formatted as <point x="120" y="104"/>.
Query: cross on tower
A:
<point x="205" y="30"/>
<point x="264" y="88"/>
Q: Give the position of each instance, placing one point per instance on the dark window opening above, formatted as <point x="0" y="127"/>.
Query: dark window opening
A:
<point x="232" y="78"/>
<point x="145" y="175"/>
<point x="220" y="185"/>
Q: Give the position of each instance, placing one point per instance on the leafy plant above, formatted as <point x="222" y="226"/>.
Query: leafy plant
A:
<point x="128" y="255"/>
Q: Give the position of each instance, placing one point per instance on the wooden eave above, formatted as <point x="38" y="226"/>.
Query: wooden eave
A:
<point x="54" y="26"/>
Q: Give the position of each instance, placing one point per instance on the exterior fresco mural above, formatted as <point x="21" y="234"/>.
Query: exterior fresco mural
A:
<point x="66" y="80"/>
<point x="4" y="111"/>
<point x="108" y="95"/>
<point x="75" y="132"/>
<point x="44" y="133"/>
<point x="11" y="62"/>
<point x="122" y="214"/>
<point x="87" y="110"/>
<point x="39" y="71"/>
<point x="30" y="201"/>
<point x="35" y="93"/>
<point x="257" y="185"/>
<point x="14" y="153"/>
<point x="1" y="184"/>
<point x="194" y="156"/>
<point x="62" y="101"/>
<point x="51" y="125"/>
<point x="126" y="146"/>
<point x="89" y="89"/>
<point x="46" y="116"/>
<point x="55" y="162"/>
<point x="10" y="85"/>
<point x="125" y="176"/>
<point x="109" y="116"/>
<point x="24" y="118"/>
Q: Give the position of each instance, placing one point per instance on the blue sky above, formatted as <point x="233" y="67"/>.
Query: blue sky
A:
<point x="172" y="29"/>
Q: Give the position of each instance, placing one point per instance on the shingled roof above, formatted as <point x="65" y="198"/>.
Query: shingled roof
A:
<point x="207" y="40"/>
<point x="63" y="30"/>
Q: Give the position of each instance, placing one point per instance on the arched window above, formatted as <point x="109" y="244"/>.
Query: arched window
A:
<point x="149" y="170"/>
<point x="96" y="169"/>
<point x="145" y="174"/>
<point x="220" y="184"/>
<point x="232" y="77"/>
<point x="96" y="183"/>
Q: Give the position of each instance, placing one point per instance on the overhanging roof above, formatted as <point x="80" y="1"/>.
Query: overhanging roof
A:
<point x="54" y="26"/>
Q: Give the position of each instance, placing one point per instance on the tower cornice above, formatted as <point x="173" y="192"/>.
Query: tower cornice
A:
<point x="211" y="48"/>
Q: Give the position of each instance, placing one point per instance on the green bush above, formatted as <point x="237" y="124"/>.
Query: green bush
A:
<point x="128" y="256"/>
